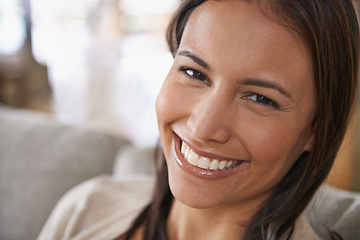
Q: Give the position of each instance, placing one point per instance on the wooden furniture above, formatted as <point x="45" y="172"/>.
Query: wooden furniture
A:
<point x="22" y="78"/>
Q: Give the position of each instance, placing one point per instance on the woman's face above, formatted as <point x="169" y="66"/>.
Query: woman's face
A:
<point x="236" y="109"/>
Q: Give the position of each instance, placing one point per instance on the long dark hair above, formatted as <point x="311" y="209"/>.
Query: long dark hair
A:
<point x="329" y="29"/>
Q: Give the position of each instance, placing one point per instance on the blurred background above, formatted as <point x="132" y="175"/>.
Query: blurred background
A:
<point x="101" y="63"/>
<point x="86" y="61"/>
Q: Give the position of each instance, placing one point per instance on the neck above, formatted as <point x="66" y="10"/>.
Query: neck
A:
<point x="219" y="223"/>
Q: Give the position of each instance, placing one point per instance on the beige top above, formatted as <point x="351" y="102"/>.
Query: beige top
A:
<point x="104" y="208"/>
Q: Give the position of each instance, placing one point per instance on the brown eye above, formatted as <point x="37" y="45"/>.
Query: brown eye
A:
<point x="262" y="100"/>
<point x="195" y="74"/>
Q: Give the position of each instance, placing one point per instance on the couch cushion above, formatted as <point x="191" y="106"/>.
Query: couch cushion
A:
<point x="133" y="161"/>
<point x="40" y="159"/>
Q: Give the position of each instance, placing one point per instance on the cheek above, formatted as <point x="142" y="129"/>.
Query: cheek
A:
<point x="277" y="147"/>
<point x="169" y="109"/>
<point x="163" y="117"/>
<point x="167" y="105"/>
<point x="172" y="102"/>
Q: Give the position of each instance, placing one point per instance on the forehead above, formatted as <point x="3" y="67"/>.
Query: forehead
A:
<point x="243" y="37"/>
<point x="239" y="20"/>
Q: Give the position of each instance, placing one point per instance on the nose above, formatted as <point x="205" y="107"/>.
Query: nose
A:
<point x="210" y="119"/>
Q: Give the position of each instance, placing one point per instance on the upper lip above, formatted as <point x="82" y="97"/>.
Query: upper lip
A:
<point x="207" y="154"/>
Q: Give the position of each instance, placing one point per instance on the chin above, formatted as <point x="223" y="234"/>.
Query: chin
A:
<point x="190" y="192"/>
<point x="191" y="199"/>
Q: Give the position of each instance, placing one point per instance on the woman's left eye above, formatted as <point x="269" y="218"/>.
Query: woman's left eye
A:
<point x="262" y="100"/>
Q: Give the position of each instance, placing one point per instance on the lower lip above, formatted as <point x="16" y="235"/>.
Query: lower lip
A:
<point x="199" y="172"/>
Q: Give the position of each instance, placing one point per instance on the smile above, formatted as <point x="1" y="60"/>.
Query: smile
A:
<point x="205" y="162"/>
<point x="205" y="165"/>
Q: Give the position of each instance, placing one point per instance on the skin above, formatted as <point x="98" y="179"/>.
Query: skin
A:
<point x="217" y="110"/>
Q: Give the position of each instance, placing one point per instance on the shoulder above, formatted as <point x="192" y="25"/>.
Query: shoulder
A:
<point x="303" y="230"/>
<point x="336" y="210"/>
<point x="98" y="206"/>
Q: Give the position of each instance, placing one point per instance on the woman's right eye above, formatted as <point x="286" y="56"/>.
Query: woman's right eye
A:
<point x="195" y="74"/>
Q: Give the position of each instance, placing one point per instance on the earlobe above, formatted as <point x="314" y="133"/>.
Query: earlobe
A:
<point x="309" y="145"/>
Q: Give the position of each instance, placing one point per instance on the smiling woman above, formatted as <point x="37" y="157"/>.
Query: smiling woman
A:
<point x="229" y="114"/>
<point x="251" y="116"/>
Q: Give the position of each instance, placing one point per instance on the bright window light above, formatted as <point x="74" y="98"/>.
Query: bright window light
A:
<point x="12" y="26"/>
<point x="145" y="7"/>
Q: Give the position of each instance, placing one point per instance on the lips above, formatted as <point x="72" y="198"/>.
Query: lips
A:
<point x="203" y="164"/>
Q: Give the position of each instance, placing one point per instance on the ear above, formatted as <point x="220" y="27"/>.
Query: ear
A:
<point x="309" y="145"/>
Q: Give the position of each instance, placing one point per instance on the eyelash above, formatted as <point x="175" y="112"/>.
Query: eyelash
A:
<point x="258" y="98"/>
<point x="195" y="74"/>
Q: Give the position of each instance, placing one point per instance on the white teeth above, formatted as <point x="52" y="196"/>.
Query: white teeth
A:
<point x="183" y="148"/>
<point x="222" y="164"/>
<point x="193" y="158"/>
<point x="214" y="165"/>
<point x="229" y="164"/>
<point x="204" y="162"/>
<point x="187" y="153"/>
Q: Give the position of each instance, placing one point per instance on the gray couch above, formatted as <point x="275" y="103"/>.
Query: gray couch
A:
<point x="40" y="159"/>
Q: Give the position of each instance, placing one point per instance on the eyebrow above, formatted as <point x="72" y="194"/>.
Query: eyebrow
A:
<point x="248" y="81"/>
<point x="195" y="58"/>
<point x="265" y="84"/>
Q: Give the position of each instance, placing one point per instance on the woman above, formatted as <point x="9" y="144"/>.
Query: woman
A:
<point x="251" y="116"/>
